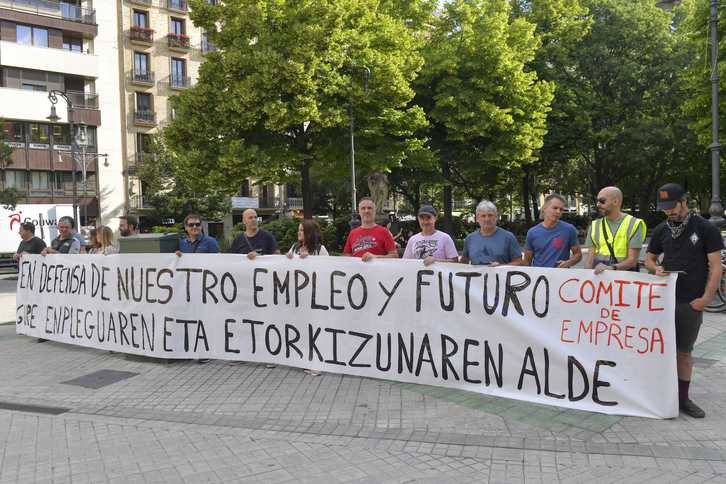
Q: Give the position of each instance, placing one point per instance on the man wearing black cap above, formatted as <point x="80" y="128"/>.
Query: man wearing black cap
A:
<point x="691" y="245"/>
<point x="430" y="245"/>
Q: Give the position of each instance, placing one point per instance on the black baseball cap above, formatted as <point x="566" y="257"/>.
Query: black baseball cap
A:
<point x="428" y="210"/>
<point x="669" y="195"/>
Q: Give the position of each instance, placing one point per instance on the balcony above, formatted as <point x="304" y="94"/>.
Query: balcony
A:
<point x="83" y="100"/>
<point x="179" y="82"/>
<point x="138" y="202"/>
<point x="208" y="47"/>
<point x="52" y="9"/>
<point x="146" y="118"/>
<point x="137" y="160"/>
<point x="180" y="5"/>
<point x="141" y="35"/>
<point x="141" y="76"/>
<point x="178" y="42"/>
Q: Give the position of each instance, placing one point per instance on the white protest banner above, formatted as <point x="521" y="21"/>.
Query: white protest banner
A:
<point x="569" y="338"/>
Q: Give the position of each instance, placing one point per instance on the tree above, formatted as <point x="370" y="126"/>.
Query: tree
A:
<point x="10" y="196"/>
<point x="273" y="102"/>
<point x="486" y="112"/>
<point x="619" y="102"/>
<point x="172" y="197"/>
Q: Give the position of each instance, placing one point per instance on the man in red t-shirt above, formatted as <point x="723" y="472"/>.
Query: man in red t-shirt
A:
<point x="370" y="240"/>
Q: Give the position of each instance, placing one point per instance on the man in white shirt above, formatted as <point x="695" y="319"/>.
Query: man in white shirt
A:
<point x="430" y="245"/>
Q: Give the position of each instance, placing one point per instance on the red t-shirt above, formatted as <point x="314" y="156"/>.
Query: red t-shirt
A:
<point x="376" y="240"/>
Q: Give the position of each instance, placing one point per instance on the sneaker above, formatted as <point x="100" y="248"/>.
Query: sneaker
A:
<point x="692" y="409"/>
<point x="235" y="363"/>
<point x="204" y="360"/>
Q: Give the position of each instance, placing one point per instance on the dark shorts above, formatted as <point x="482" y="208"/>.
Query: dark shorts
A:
<point x="688" y="323"/>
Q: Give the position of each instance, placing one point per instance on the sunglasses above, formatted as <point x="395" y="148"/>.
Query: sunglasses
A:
<point x="194" y="224"/>
<point x="602" y="201"/>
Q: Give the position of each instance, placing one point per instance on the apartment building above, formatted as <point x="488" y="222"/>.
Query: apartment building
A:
<point x="162" y="51"/>
<point x="71" y="47"/>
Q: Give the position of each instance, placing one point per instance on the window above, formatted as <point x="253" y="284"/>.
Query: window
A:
<point x="177" y="26"/>
<point x="32" y="35"/>
<point x="74" y="45"/>
<point x="16" y="131"/>
<point x="63" y="182"/>
<point x="141" y="61"/>
<point x="143" y="101"/>
<point x="39" y="180"/>
<point x="141" y="19"/>
<point x="178" y="73"/>
<point x="143" y="143"/>
<point x="61" y="135"/>
<point x="31" y="80"/>
<point x="39" y="133"/>
<point x="15" y="179"/>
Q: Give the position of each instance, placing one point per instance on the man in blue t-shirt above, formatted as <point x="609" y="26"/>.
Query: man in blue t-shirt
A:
<point x="196" y="243"/>
<point x="490" y="245"/>
<point x="550" y="242"/>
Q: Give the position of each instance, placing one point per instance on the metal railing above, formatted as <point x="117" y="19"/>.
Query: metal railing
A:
<point x="177" y="5"/>
<point x="141" y="34"/>
<point x="140" y="75"/>
<point x="138" y="202"/>
<point x="82" y="99"/>
<point x="52" y="9"/>
<point x="141" y="159"/>
<point x="208" y="47"/>
<point x="178" y="81"/>
<point x="146" y="117"/>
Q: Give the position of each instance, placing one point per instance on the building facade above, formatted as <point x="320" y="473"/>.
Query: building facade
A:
<point x="70" y="47"/>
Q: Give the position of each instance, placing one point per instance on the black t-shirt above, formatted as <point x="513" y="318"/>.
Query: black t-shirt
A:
<point x="33" y="246"/>
<point x="263" y="243"/>
<point x="689" y="253"/>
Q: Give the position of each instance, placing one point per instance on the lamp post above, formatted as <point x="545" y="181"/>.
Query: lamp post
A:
<point x="84" y="162"/>
<point x="54" y="118"/>
<point x="716" y="208"/>
<point x="365" y="74"/>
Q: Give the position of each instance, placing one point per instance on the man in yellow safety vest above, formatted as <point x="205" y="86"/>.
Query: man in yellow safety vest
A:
<point x="615" y="240"/>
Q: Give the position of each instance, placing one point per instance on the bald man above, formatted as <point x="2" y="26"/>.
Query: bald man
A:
<point x="614" y="241"/>
<point x="254" y="241"/>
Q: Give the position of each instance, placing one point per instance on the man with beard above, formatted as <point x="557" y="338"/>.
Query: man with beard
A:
<point x="127" y="226"/>
<point x="691" y="246"/>
<point x="549" y="243"/>
<point x="614" y="241"/>
<point x="491" y="245"/>
<point x="30" y="243"/>
<point x="430" y="245"/>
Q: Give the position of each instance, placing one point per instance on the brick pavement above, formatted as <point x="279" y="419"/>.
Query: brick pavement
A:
<point x="194" y="423"/>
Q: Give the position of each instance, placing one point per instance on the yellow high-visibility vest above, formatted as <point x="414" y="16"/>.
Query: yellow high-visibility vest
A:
<point x="619" y="242"/>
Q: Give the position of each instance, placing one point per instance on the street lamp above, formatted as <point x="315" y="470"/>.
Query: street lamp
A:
<point x="716" y="208"/>
<point x="54" y="118"/>
<point x="84" y="161"/>
<point x="365" y="74"/>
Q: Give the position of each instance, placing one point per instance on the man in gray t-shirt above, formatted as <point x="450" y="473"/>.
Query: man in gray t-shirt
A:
<point x="490" y="245"/>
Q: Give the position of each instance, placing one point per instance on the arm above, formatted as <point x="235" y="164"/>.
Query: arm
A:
<point x="714" y="279"/>
<point x="590" y="257"/>
<point x="576" y="257"/>
<point x="516" y="261"/>
<point x="651" y="263"/>
<point x="463" y="260"/>
<point x="391" y="254"/>
<point x="528" y="255"/>
<point x="625" y="265"/>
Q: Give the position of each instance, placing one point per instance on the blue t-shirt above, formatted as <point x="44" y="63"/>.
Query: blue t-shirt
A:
<point x="501" y="246"/>
<point x="207" y="245"/>
<point x="551" y="244"/>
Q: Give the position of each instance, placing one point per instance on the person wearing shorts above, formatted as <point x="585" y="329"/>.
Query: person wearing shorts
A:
<point x="691" y="245"/>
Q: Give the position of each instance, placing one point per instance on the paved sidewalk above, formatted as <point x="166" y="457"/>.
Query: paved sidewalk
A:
<point x="192" y="423"/>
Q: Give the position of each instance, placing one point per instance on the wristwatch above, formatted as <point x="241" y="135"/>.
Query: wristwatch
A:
<point x="615" y="267"/>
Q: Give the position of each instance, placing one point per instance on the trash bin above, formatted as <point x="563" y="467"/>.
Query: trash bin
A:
<point x="149" y="243"/>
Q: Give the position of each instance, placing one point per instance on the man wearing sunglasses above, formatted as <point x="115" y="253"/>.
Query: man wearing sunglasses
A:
<point x="196" y="242"/>
<point x="692" y="246"/>
<point x="614" y="241"/>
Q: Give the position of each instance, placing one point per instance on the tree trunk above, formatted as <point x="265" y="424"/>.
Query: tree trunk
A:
<point x="448" y="219"/>
<point x="305" y="185"/>
<point x="525" y="196"/>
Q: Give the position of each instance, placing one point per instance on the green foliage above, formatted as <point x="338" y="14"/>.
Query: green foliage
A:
<point x="285" y="232"/>
<point x="173" y="229"/>
<point x="171" y="195"/>
<point x="273" y="103"/>
<point x="9" y="197"/>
